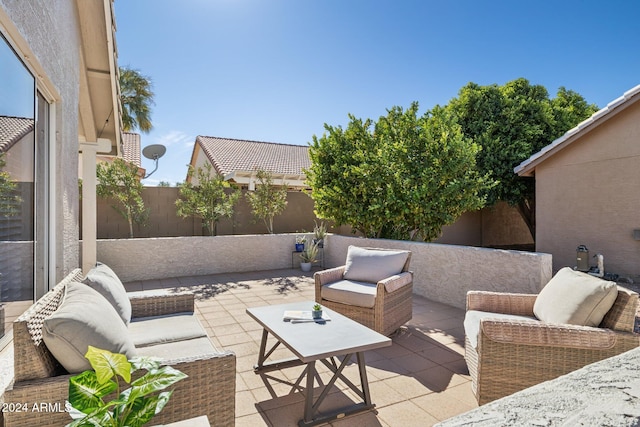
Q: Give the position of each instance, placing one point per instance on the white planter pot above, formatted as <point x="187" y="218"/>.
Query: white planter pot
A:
<point x="305" y="266"/>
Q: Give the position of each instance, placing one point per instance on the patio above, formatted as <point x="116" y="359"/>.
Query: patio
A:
<point x="420" y="380"/>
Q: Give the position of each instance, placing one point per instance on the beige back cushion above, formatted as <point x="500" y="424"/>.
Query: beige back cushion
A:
<point x="575" y="298"/>
<point x="106" y="281"/>
<point x="84" y="318"/>
<point x="370" y="265"/>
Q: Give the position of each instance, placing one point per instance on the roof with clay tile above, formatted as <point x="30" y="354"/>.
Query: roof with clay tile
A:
<point x="229" y="155"/>
<point x="131" y="148"/>
<point x="12" y="130"/>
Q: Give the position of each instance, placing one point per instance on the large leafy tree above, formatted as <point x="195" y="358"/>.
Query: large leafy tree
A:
<point x="404" y="176"/>
<point x="120" y="182"/>
<point x="511" y="122"/>
<point x="136" y="96"/>
<point x="208" y="199"/>
<point x="267" y="200"/>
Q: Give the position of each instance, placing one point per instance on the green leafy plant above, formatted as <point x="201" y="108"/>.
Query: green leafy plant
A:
<point x="319" y="231"/>
<point x="402" y="177"/>
<point x="131" y="407"/>
<point x="267" y="200"/>
<point x="208" y="198"/>
<point x="310" y="253"/>
<point x="301" y="239"/>
<point x="9" y="199"/>
<point x="120" y="182"/>
<point x="317" y="307"/>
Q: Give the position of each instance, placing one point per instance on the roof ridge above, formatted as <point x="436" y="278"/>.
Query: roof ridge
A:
<point x="251" y="140"/>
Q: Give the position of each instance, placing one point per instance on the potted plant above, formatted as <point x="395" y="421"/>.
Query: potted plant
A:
<point x="308" y="256"/>
<point x="316" y="312"/>
<point x="300" y="241"/>
<point x="319" y="233"/>
<point x="132" y="407"/>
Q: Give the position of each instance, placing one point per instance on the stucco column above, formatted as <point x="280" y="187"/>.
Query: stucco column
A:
<point x="89" y="151"/>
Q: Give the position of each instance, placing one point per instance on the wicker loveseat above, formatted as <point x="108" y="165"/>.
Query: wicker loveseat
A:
<point x="514" y="350"/>
<point x="364" y="292"/>
<point x="40" y="379"/>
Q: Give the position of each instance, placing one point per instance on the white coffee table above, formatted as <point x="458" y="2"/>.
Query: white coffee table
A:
<point x="318" y="341"/>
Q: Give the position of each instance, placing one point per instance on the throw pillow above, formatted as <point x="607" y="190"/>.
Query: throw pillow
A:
<point x="575" y="298"/>
<point x="371" y="265"/>
<point x="84" y="318"/>
<point x="104" y="280"/>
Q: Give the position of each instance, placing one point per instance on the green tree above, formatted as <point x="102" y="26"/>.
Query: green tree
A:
<point x="136" y="96"/>
<point x="164" y="184"/>
<point x="120" y="182"/>
<point x="512" y="122"/>
<point x="267" y="200"/>
<point x="9" y="199"/>
<point x="208" y="199"/>
<point x="406" y="178"/>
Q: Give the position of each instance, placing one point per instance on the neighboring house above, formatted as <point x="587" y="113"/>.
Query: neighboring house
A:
<point x="130" y="152"/>
<point x="59" y="72"/>
<point x="238" y="160"/>
<point x="588" y="189"/>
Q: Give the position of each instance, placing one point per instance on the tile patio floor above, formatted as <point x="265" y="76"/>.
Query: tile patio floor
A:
<point x="420" y="380"/>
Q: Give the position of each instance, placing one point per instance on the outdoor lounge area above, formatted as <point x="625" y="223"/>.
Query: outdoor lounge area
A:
<point x="419" y="380"/>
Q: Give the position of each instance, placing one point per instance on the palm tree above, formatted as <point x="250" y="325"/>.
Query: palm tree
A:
<point x="136" y="97"/>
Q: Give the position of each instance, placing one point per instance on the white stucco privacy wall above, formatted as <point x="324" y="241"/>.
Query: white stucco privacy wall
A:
<point x="445" y="273"/>
<point x="442" y="273"/>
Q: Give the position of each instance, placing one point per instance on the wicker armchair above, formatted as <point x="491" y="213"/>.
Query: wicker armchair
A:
<point x="512" y="355"/>
<point x="391" y="310"/>
<point x="40" y="379"/>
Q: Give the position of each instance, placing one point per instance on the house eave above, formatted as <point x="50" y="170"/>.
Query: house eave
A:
<point x="630" y="97"/>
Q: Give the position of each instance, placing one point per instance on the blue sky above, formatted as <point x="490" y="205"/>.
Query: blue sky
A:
<point x="277" y="70"/>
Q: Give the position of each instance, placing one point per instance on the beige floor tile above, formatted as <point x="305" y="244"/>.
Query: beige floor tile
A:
<point x="406" y="414"/>
<point x="253" y="420"/>
<point x="245" y="403"/>
<point x="408" y="387"/>
<point x="441" y="406"/>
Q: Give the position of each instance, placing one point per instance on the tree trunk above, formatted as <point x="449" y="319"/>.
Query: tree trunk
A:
<point x="527" y="210"/>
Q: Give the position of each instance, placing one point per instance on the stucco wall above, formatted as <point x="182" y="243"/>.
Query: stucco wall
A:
<point x="587" y="194"/>
<point x="48" y="34"/>
<point x="445" y="273"/>
<point x="442" y="272"/>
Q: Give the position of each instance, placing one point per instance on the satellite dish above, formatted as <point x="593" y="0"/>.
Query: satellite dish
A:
<point x="154" y="152"/>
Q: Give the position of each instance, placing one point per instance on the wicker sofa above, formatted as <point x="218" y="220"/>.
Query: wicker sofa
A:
<point x="392" y="291"/>
<point x="514" y="350"/>
<point x="39" y="378"/>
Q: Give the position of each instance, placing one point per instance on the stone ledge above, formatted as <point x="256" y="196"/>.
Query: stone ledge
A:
<point x="603" y="393"/>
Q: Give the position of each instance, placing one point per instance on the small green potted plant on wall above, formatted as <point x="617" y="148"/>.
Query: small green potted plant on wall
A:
<point x="300" y="241"/>
<point x="319" y="233"/>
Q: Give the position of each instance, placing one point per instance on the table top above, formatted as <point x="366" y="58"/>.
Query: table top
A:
<point x="313" y="340"/>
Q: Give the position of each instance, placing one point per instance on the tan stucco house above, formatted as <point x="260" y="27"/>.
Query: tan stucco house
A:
<point x="238" y="160"/>
<point x="588" y="189"/>
<point x="59" y="73"/>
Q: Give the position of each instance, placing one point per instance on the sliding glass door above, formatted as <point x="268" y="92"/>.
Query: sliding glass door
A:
<point x="24" y="181"/>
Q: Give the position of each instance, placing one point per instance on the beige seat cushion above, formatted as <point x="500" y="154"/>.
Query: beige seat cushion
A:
<point x="370" y="265"/>
<point x="148" y="331"/>
<point x="180" y="349"/>
<point x="104" y="280"/>
<point x="84" y="318"/>
<point x="361" y="294"/>
<point x="575" y="298"/>
<point x="473" y="318"/>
